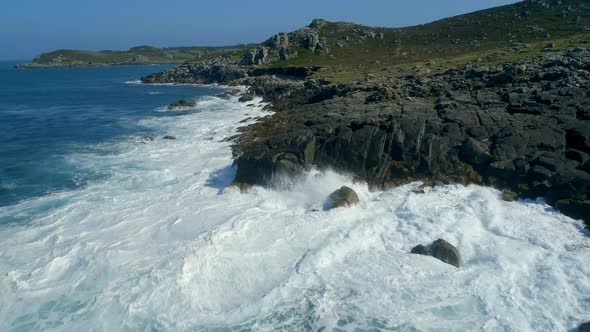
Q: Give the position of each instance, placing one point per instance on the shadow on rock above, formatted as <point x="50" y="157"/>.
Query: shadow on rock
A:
<point x="221" y="179"/>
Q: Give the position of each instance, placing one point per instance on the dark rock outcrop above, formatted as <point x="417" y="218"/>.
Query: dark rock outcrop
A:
<point x="523" y="127"/>
<point x="343" y="197"/>
<point x="198" y="74"/>
<point x="169" y="137"/>
<point x="584" y="327"/>
<point x="259" y="56"/>
<point x="441" y="250"/>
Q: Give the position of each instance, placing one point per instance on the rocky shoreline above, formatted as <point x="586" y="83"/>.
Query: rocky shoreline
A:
<point x="523" y="127"/>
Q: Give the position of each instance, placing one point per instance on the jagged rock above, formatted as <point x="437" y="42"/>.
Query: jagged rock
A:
<point x="343" y="197"/>
<point x="280" y="40"/>
<point x="197" y="74"/>
<point x="182" y="104"/>
<point x="256" y="57"/>
<point x="310" y="38"/>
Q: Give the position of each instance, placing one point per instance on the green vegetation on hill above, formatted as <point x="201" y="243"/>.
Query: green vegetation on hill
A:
<point x="135" y="55"/>
<point x="502" y="34"/>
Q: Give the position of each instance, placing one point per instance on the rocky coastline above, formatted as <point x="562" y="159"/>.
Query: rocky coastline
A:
<point x="523" y="127"/>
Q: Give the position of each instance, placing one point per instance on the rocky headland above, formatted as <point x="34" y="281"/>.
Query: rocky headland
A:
<point x="520" y="122"/>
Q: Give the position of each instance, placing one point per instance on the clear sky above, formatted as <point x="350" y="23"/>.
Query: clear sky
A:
<point x="29" y="27"/>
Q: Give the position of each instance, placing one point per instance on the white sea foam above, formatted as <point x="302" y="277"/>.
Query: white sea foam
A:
<point x="137" y="82"/>
<point x="163" y="244"/>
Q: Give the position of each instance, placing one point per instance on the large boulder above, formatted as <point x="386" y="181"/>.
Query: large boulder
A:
<point x="342" y="197"/>
<point x="441" y="250"/>
<point x="446" y="252"/>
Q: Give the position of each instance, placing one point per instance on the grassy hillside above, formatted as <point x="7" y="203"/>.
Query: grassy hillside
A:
<point x="349" y="51"/>
<point x="135" y="55"/>
<point x="489" y="36"/>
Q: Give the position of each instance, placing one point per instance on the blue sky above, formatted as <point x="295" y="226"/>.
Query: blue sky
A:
<point x="29" y="27"/>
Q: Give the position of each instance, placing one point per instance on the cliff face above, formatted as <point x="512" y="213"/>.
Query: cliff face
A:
<point x="523" y="126"/>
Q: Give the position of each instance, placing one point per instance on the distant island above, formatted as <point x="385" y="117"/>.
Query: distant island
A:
<point x="140" y="55"/>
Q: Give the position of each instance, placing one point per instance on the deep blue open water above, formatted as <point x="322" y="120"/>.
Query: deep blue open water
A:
<point x="48" y="114"/>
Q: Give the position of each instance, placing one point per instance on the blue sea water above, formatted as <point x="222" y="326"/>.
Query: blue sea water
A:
<point x="48" y="114"/>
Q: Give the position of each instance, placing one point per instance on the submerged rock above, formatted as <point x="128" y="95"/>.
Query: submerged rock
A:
<point x="441" y="250"/>
<point x="584" y="327"/>
<point x="343" y="197"/>
<point x="169" y="137"/>
<point x="182" y="104"/>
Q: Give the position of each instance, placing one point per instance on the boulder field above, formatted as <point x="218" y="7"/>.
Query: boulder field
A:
<point x="523" y="127"/>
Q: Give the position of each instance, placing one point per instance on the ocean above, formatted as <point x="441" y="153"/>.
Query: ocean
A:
<point x="106" y="226"/>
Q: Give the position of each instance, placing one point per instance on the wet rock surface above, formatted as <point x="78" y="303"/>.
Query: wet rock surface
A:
<point x="524" y="127"/>
<point x="343" y="197"/>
